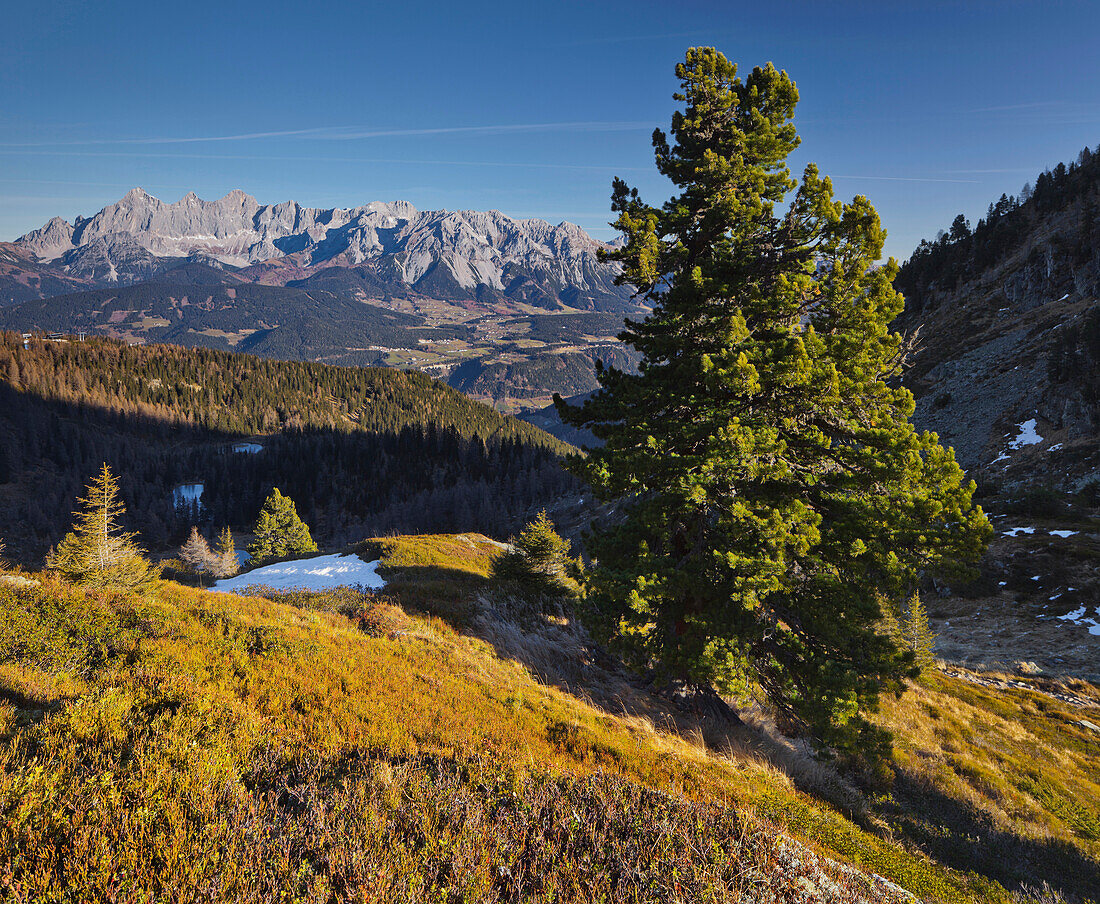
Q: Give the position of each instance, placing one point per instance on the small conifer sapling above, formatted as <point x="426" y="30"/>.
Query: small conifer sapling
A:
<point x="538" y="554"/>
<point x="227" y="563"/>
<point x="279" y="531"/>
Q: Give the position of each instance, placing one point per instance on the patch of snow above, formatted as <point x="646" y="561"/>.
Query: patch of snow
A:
<point x="1037" y="577"/>
<point x="1077" y="616"/>
<point x="1016" y="531"/>
<point x="316" y="573"/>
<point x="187" y="494"/>
<point x="1028" y="435"/>
<point x="1064" y="297"/>
<point x="1002" y="583"/>
<point x="1055" y="447"/>
<point x="249" y="448"/>
<point x="1064" y="533"/>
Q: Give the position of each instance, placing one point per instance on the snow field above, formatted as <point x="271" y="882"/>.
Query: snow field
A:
<point x="316" y="573"/>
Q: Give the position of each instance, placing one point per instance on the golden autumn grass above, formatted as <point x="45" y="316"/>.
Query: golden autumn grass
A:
<point x="186" y="746"/>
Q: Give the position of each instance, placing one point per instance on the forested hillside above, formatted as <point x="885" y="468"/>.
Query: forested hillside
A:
<point x="361" y="450"/>
<point x="1007" y="363"/>
<point x="527" y="380"/>
<point x="1065" y="200"/>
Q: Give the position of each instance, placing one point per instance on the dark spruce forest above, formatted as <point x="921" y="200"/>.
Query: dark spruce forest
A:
<point x="363" y="451"/>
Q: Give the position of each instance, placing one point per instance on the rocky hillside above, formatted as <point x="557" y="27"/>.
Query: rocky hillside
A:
<point x="1008" y="365"/>
<point x="466" y="255"/>
<point x="23" y="277"/>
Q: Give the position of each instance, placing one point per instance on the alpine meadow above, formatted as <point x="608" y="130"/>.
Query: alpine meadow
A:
<point x="416" y="551"/>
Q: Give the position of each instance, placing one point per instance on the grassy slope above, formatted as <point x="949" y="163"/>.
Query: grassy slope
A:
<point x="187" y="745"/>
<point x="1002" y="780"/>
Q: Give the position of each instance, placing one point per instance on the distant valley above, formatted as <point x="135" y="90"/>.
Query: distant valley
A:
<point x="508" y="310"/>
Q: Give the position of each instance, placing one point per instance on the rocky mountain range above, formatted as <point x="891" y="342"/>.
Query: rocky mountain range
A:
<point x="1007" y="368"/>
<point x="509" y="310"/>
<point x="471" y="256"/>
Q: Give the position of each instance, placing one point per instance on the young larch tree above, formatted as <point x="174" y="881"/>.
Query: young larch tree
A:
<point x="197" y="556"/>
<point x="97" y="551"/>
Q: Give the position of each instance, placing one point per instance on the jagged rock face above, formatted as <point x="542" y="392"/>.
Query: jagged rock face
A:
<point x="448" y="254"/>
<point x="1017" y="343"/>
<point x="50" y="241"/>
<point x="107" y="258"/>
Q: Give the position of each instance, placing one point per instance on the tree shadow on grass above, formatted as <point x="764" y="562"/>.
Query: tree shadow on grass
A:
<point x="30" y="709"/>
<point x="537" y="632"/>
<point x="450" y="594"/>
<point x="955" y="834"/>
<point x="28" y="703"/>
<point x="556" y="650"/>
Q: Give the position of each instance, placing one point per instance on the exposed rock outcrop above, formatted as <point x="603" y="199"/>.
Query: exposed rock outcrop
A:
<point x="455" y="255"/>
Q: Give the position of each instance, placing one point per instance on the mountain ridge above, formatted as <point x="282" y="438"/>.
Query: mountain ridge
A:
<point x="454" y="253"/>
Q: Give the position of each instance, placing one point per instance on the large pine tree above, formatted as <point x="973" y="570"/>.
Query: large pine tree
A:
<point x="774" y="494"/>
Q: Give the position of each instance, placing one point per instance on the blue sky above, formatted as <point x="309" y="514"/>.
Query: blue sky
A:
<point x="927" y="108"/>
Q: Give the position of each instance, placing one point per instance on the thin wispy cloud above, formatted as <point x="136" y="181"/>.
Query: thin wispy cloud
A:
<point x="353" y="133"/>
<point x="325" y="158"/>
<point x="599" y="126"/>
<point x="1045" y="112"/>
<point x="907" y="179"/>
<point x="994" y="172"/>
<point x="82" y="142"/>
<point x="63" y="182"/>
<point x="44" y="199"/>
<point x="1031" y="105"/>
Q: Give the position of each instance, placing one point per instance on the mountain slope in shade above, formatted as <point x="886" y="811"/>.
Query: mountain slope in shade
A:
<point x="1008" y="363"/>
<point x="466" y="256"/>
<point x="23" y="278"/>
<point x="198" y="305"/>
